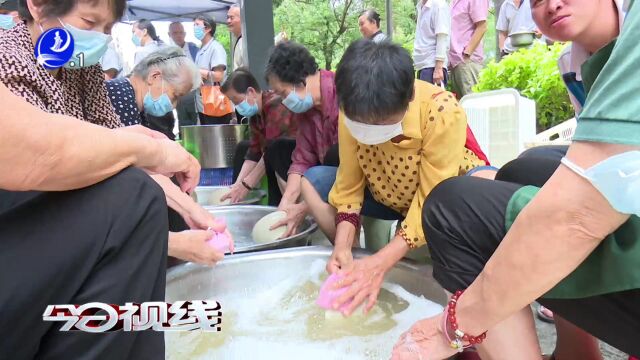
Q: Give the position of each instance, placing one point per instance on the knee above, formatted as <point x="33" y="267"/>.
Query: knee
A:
<point x="320" y="179"/>
<point x="441" y="205"/>
<point x="133" y="187"/>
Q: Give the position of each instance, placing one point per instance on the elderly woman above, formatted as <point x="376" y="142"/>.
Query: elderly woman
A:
<point x="369" y="24"/>
<point x="397" y="143"/>
<point x="80" y="91"/>
<point x="143" y="35"/>
<point x="269" y="120"/>
<point x="153" y="88"/>
<point x="572" y="244"/>
<point x="309" y="92"/>
<point x="79" y="224"/>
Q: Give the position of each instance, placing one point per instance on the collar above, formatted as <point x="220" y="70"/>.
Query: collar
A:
<point x="376" y="34"/>
<point x="579" y="54"/>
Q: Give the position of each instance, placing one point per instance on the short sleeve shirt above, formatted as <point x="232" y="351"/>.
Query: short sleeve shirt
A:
<point x="514" y="19"/>
<point x="464" y="15"/>
<point x="209" y="56"/>
<point x="434" y="17"/>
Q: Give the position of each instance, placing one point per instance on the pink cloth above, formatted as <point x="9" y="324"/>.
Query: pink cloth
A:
<point x="327" y="295"/>
<point x="220" y="242"/>
<point x="317" y="130"/>
<point x="464" y="14"/>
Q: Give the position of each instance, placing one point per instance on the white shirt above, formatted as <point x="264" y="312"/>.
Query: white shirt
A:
<point x="111" y="60"/>
<point x="238" y="53"/>
<point x="144" y="51"/>
<point x="513" y="19"/>
<point x="434" y="17"/>
<point x="209" y="56"/>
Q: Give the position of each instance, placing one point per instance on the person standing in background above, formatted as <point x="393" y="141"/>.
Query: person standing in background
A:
<point x="369" y="24"/>
<point x="515" y="16"/>
<point x="212" y="61"/>
<point x="234" y="23"/>
<point x="111" y="62"/>
<point x="177" y="35"/>
<point x="144" y="36"/>
<point x="466" y="55"/>
<point x="186" y="108"/>
<point x="432" y="41"/>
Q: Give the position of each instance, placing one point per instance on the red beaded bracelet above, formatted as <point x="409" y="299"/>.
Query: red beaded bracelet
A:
<point x="459" y="336"/>
<point x="352" y="218"/>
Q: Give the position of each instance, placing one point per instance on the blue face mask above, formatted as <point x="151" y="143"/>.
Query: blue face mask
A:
<point x="88" y="46"/>
<point x="247" y="110"/>
<point x="136" y="40"/>
<point x="159" y="106"/>
<point x="617" y="178"/>
<point x="7" y="22"/>
<point x="297" y="105"/>
<point x="198" y="32"/>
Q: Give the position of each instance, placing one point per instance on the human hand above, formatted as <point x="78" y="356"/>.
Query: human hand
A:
<point x="191" y="245"/>
<point x="438" y="76"/>
<point x="139" y="129"/>
<point x="237" y="193"/>
<point x="423" y="341"/>
<point x="364" y="279"/>
<point x="295" y="215"/>
<point x="175" y="160"/>
<point x="341" y="258"/>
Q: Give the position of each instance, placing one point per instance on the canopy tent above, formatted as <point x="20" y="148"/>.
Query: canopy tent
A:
<point x="176" y="10"/>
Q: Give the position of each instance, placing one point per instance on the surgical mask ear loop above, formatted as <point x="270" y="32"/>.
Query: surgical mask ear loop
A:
<point x="573" y="167"/>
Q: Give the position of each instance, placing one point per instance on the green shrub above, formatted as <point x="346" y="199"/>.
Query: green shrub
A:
<point x="534" y="73"/>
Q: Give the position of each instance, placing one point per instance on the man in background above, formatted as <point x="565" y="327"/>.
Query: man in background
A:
<point x="177" y="35"/>
<point x="234" y="23"/>
<point x="186" y="107"/>
<point x="431" y="44"/>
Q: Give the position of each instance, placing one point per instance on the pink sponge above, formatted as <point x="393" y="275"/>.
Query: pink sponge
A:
<point x="220" y="240"/>
<point x="328" y="295"/>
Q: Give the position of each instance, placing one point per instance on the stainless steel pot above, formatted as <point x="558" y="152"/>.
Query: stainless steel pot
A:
<point x="213" y="145"/>
<point x="241" y="219"/>
<point x="202" y="196"/>
<point x="237" y="273"/>
<point x="522" y="38"/>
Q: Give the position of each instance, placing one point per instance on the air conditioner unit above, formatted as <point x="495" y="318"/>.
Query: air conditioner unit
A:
<point x="502" y="122"/>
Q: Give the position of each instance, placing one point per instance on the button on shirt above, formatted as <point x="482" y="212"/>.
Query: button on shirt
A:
<point x="209" y="56"/>
<point x="514" y="19"/>
<point x="434" y="17"/>
<point x="464" y="15"/>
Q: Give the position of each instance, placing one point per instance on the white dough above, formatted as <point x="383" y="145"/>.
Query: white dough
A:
<point x="261" y="232"/>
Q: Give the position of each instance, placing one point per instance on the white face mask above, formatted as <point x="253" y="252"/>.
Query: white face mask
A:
<point x="373" y="134"/>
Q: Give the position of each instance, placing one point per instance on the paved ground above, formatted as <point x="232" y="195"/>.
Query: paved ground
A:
<point x="546" y="331"/>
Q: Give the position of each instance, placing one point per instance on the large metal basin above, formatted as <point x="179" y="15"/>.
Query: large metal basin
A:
<point x="237" y="273"/>
<point x="202" y="196"/>
<point x="213" y="145"/>
<point x="241" y="219"/>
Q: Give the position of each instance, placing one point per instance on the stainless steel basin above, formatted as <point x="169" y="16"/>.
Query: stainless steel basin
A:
<point x="241" y="219"/>
<point x="213" y="145"/>
<point x="202" y="196"/>
<point x="256" y="271"/>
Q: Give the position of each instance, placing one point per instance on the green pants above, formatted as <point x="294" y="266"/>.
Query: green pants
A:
<point x="463" y="77"/>
<point x="378" y="233"/>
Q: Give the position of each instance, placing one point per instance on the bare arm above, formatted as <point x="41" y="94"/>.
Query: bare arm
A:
<point x="476" y="38"/>
<point x="502" y="36"/>
<point x="41" y="151"/>
<point x="564" y="223"/>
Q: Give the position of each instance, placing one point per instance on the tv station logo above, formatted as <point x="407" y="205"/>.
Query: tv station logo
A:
<point x="54" y="49"/>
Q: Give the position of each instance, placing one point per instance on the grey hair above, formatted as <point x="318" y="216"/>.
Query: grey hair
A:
<point x="171" y="61"/>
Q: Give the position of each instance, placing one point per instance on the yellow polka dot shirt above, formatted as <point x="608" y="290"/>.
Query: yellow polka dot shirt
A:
<point x="401" y="175"/>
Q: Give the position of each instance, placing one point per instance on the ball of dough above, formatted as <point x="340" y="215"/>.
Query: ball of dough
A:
<point x="261" y="232"/>
<point x="213" y="197"/>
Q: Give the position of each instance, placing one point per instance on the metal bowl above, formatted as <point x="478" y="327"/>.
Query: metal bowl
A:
<point x="255" y="271"/>
<point x="202" y="196"/>
<point x="522" y="38"/>
<point x="241" y="219"/>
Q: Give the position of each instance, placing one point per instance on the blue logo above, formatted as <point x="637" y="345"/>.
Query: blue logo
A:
<point x="54" y="48"/>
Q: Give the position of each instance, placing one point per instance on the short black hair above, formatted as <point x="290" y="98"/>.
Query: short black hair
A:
<point x="374" y="81"/>
<point x="240" y="80"/>
<point x="57" y="8"/>
<point x="208" y="22"/>
<point x="144" y="24"/>
<point x="372" y="16"/>
<point x="291" y="63"/>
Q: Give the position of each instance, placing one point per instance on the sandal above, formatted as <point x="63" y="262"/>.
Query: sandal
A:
<point x="545" y="314"/>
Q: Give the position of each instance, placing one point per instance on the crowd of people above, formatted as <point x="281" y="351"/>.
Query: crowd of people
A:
<point x="95" y="192"/>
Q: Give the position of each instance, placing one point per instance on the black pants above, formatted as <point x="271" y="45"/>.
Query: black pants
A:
<point x="277" y="160"/>
<point x="464" y="220"/>
<point x="215" y="120"/>
<point x="104" y="243"/>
